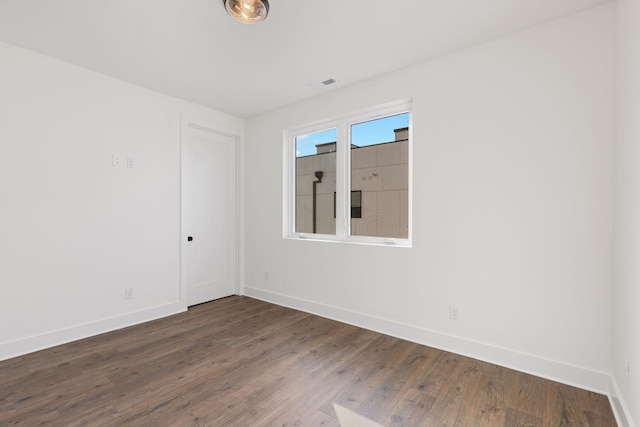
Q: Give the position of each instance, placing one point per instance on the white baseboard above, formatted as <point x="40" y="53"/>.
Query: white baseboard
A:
<point x="557" y="371"/>
<point x="51" y="339"/>
<point x="620" y="408"/>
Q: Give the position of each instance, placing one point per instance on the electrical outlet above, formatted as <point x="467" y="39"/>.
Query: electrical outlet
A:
<point x="128" y="293"/>
<point x="131" y="162"/>
<point x="117" y="161"/>
<point x="454" y="312"/>
<point x="266" y="276"/>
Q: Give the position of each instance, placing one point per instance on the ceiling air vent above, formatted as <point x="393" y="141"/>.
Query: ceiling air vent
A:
<point x="321" y="83"/>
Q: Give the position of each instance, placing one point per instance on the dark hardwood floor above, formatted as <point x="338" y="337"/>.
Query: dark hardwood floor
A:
<point x="243" y="362"/>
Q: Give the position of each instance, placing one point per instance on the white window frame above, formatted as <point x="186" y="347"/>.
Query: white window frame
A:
<point x="342" y="125"/>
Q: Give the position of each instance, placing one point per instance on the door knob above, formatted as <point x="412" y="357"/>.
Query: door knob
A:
<point x="189" y="239"/>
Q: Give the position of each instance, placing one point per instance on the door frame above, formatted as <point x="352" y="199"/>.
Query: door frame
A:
<point x="188" y="122"/>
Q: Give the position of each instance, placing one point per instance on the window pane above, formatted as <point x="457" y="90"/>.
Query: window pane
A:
<point x="380" y="171"/>
<point x="315" y="182"/>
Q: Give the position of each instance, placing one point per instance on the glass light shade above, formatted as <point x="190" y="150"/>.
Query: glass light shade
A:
<point x="247" y="11"/>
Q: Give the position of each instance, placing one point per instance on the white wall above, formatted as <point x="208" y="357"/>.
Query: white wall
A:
<point x="512" y="205"/>
<point x="76" y="231"/>
<point x="626" y="305"/>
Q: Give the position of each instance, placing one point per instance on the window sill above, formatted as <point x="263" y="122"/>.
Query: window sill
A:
<point x="370" y="241"/>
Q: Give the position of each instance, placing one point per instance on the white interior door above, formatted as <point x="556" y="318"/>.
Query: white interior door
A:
<point x="209" y="231"/>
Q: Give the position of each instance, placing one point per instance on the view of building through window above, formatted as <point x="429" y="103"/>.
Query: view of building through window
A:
<point x="380" y="169"/>
<point x="379" y="174"/>
<point x="316" y="183"/>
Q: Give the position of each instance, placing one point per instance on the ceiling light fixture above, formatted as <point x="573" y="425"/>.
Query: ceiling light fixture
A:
<point x="247" y="11"/>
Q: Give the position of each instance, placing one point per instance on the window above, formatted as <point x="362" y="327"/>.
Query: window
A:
<point x="348" y="179"/>
<point x="356" y="204"/>
<point x="315" y="183"/>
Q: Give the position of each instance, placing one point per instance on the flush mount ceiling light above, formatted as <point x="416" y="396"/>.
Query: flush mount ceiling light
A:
<point x="247" y="11"/>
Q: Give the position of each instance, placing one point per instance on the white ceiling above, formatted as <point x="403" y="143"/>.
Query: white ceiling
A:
<point x="193" y="50"/>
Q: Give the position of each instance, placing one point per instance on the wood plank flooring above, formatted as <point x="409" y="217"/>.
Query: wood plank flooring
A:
<point x="243" y="362"/>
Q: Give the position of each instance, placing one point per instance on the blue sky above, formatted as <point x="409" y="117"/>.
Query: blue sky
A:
<point x="362" y="134"/>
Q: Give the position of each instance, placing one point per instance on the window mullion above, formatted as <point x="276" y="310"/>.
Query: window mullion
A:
<point x="342" y="181"/>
